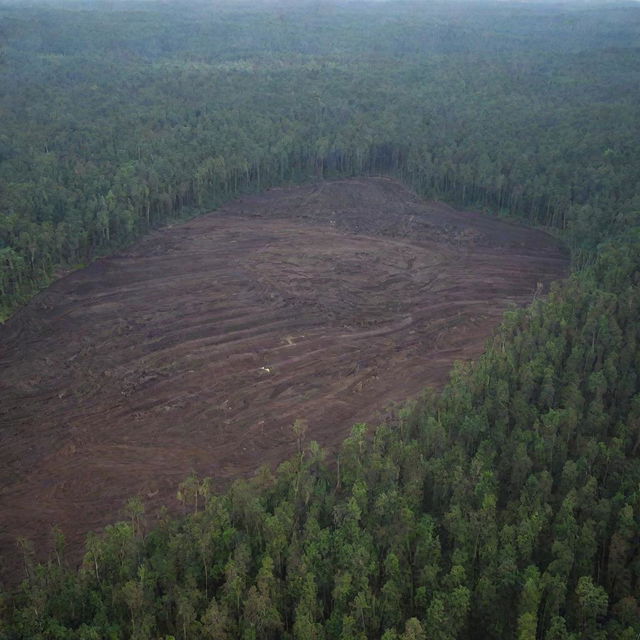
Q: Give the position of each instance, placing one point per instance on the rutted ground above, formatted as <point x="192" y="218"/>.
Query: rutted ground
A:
<point x="198" y="348"/>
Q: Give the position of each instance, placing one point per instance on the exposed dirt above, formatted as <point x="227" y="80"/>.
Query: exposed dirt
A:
<point x="198" y="348"/>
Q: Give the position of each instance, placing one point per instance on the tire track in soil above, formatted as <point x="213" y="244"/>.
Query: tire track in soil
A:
<point x="200" y="346"/>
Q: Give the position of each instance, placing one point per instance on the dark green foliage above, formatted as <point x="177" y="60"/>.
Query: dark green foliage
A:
<point x="116" y="121"/>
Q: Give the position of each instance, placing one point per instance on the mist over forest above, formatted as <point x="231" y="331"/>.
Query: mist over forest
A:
<point x="375" y="190"/>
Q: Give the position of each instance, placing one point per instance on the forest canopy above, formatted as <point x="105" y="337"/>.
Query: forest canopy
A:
<point x="118" y="119"/>
<point x="506" y="507"/>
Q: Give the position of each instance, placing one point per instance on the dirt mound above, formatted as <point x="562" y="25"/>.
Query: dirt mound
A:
<point x="198" y="348"/>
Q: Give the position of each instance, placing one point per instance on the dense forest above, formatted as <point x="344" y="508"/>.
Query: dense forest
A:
<point x="507" y="506"/>
<point x="116" y="120"/>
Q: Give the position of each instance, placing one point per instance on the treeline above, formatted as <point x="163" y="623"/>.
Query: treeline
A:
<point x="507" y="507"/>
<point x="157" y="114"/>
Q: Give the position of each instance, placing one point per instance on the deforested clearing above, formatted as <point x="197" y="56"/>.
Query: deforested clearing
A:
<point x="197" y="349"/>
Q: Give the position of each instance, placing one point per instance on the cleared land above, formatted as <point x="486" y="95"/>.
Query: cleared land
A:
<point x="198" y="348"/>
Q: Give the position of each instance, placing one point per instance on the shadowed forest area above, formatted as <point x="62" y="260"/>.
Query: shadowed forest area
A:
<point x="506" y="505"/>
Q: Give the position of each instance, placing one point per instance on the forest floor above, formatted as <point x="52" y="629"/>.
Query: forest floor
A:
<point x="198" y="348"/>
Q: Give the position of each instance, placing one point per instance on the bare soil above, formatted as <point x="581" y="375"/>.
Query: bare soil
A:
<point x="197" y="349"/>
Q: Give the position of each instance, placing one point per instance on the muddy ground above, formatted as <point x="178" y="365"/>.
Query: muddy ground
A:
<point x="197" y="349"/>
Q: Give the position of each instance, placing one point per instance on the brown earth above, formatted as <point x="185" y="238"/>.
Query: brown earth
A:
<point x="197" y="349"/>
